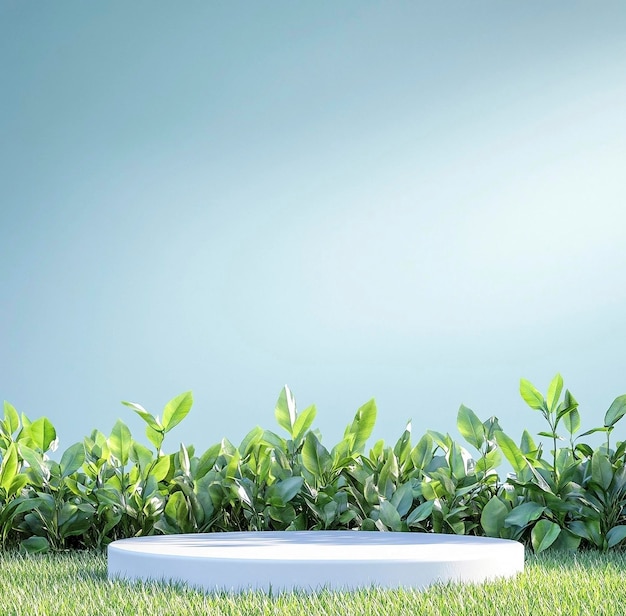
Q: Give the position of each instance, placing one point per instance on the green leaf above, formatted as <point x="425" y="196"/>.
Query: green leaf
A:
<point x="492" y="517"/>
<point x="420" y="513"/>
<point x="288" y="488"/>
<point x="315" y="457"/>
<point x="285" y="410"/>
<point x="601" y="470"/>
<point x="9" y="467"/>
<point x="531" y="396"/>
<point x="616" y="535"/>
<point x="402" y="498"/>
<point x="161" y="468"/>
<point x="362" y="425"/>
<point x="616" y="411"/>
<point x="303" y="422"/>
<point x="389" y="516"/>
<point x="35" y="545"/>
<point x="42" y="433"/>
<point x="524" y="514"/>
<point x="527" y="444"/>
<point x="554" y="392"/>
<point x="176" y="410"/>
<point x="120" y="441"/>
<point x="183" y="460"/>
<point x="155" y="436"/>
<point x="511" y="452"/>
<point x="72" y="459"/>
<point x="470" y="427"/>
<point x="544" y="534"/>
<point x="11" y="418"/>
<point x="571" y="421"/>
<point x="147" y="417"/>
<point x="422" y="453"/>
<point x="140" y="455"/>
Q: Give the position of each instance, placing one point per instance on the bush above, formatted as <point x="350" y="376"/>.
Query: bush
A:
<point x="107" y="488"/>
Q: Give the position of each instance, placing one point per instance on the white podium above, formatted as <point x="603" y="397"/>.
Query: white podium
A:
<point x="312" y="560"/>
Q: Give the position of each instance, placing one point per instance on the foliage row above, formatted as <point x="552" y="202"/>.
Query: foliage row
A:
<point x="107" y="488"/>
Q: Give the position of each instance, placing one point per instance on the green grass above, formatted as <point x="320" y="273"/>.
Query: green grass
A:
<point x="76" y="583"/>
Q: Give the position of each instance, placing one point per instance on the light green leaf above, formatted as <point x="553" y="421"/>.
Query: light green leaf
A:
<point x="140" y="455"/>
<point x="616" y="411"/>
<point x="155" y="436"/>
<point x="544" y="534"/>
<point x="147" y="417"/>
<point x="571" y="421"/>
<point x="11" y="418"/>
<point x="315" y="457"/>
<point x="72" y="459"/>
<point x="285" y="410"/>
<point x="9" y="467"/>
<point x="161" y="468"/>
<point x="511" y="451"/>
<point x="183" y="459"/>
<point x="470" y="427"/>
<point x="402" y="498"/>
<point x="554" y="392"/>
<point x="492" y="517"/>
<point x="362" y="425"/>
<point x="120" y="441"/>
<point x="42" y="433"/>
<point x="176" y="410"/>
<point x="531" y="396"/>
<point x="303" y="422"/>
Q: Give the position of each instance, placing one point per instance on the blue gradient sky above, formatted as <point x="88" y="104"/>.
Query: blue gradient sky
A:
<point x="410" y="201"/>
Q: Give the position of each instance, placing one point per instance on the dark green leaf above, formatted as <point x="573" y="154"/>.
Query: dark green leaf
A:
<point x="523" y="514"/>
<point x="288" y="488"/>
<point x="35" y="545"/>
<point x="616" y="535"/>
<point x="601" y="470"/>
<point x="492" y="517"/>
<point x="420" y="513"/>
<point x="422" y="453"/>
<point x="389" y="516"/>
<point x="544" y="534"/>
<point x="402" y="498"/>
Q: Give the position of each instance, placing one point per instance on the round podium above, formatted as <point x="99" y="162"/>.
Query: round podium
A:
<point x="313" y="560"/>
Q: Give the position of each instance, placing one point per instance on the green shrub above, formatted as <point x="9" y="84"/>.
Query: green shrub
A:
<point x="107" y="488"/>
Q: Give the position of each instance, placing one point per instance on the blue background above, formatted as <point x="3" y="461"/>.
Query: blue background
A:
<point x="413" y="201"/>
